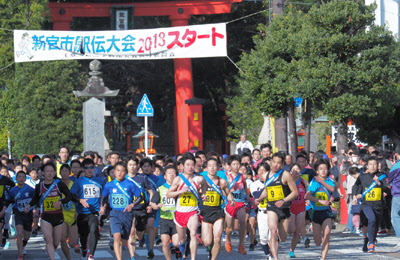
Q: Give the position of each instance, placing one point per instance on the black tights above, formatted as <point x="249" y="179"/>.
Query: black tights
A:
<point x="88" y="224"/>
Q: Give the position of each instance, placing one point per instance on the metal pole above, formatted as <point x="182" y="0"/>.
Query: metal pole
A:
<point x="9" y="144"/>
<point x="146" y="137"/>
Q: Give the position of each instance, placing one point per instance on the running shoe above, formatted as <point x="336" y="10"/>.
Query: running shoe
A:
<point x="241" y="250"/>
<point x="20" y="257"/>
<point x="141" y="242"/>
<point x="84" y="253"/>
<point x="23" y="251"/>
<point x="133" y="258"/>
<point x="223" y="236"/>
<point x="199" y="240"/>
<point x="182" y="249"/>
<point x="34" y="233"/>
<point x="266" y="250"/>
<point x="158" y="241"/>
<point x="291" y="254"/>
<point x="228" y="246"/>
<point x="255" y="242"/>
<point x="77" y="249"/>
<point x="365" y="246"/>
<point x="13" y="232"/>
<point x="209" y="249"/>
<point x="307" y="243"/>
<point x="150" y="254"/>
<point x="178" y="254"/>
<point x="382" y="232"/>
<point x="251" y="247"/>
<point x="346" y="231"/>
<point x="90" y="257"/>
<point x="7" y="245"/>
<point x="371" y="248"/>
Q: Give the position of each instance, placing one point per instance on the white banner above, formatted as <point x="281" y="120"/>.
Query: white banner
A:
<point x="351" y="135"/>
<point x="196" y="41"/>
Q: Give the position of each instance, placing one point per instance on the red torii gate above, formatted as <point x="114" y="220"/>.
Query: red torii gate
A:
<point x="189" y="116"/>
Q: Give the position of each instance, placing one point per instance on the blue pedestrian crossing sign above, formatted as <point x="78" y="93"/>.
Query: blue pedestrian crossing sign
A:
<point x="145" y="108"/>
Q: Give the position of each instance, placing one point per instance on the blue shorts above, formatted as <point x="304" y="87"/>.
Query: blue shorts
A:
<point x="121" y="222"/>
<point x="252" y="213"/>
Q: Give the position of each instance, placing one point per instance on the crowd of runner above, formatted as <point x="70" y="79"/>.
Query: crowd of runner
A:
<point x="194" y="198"/>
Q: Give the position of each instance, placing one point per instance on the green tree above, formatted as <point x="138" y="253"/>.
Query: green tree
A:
<point x="322" y="130"/>
<point x="44" y="112"/>
<point x="38" y="107"/>
<point x="328" y="57"/>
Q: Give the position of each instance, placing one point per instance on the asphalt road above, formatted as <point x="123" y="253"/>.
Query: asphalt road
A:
<point x="343" y="246"/>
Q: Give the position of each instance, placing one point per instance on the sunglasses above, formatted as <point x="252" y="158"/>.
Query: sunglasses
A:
<point x="89" y="167"/>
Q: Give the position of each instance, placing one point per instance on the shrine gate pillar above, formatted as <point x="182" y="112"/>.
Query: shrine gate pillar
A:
<point x="187" y="133"/>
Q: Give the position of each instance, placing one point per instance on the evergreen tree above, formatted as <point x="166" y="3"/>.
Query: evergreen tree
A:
<point x="38" y="107"/>
<point x="333" y="56"/>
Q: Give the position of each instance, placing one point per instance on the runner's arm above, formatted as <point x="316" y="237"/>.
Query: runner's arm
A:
<point x="310" y="197"/>
<point x="225" y="189"/>
<point x="262" y="196"/>
<point x="64" y="190"/>
<point x="35" y="200"/>
<point x="287" y="177"/>
<point x="173" y="190"/>
<point x="357" y="189"/>
<point x="104" y="201"/>
<point x="326" y="185"/>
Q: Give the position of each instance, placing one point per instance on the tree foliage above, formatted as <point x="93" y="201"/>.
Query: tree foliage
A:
<point x="38" y="107"/>
<point x="332" y="55"/>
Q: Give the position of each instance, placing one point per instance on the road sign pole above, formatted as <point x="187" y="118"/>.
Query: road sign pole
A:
<point x="146" y="136"/>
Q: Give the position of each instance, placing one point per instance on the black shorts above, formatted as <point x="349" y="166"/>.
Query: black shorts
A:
<point x="141" y="217"/>
<point x="319" y="216"/>
<point x="210" y="215"/>
<point x="283" y="213"/>
<point x="167" y="227"/>
<point x="308" y="214"/>
<point x="53" y="219"/>
<point x="152" y="214"/>
<point x="24" y="219"/>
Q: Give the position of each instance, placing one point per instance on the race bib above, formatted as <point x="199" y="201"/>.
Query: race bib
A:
<point x="119" y="201"/>
<point x="168" y="202"/>
<point x="135" y="198"/>
<point x="48" y="204"/>
<point x="263" y="204"/>
<point x="187" y="199"/>
<point x="212" y="199"/>
<point x="91" y="191"/>
<point x="238" y="195"/>
<point x="374" y="195"/>
<point x="68" y="206"/>
<point x="304" y="177"/>
<point x="275" y="193"/>
<point x="321" y="195"/>
<point x="21" y="204"/>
